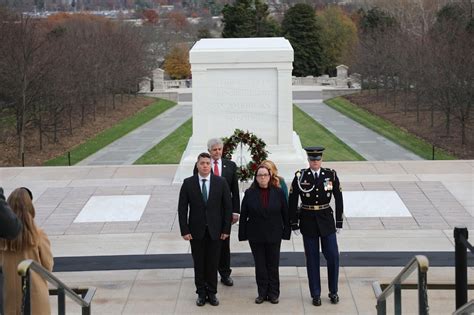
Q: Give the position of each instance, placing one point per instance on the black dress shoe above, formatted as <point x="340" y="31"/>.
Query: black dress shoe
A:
<point x="201" y="300"/>
<point x="334" y="298"/>
<point x="274" y="300"/>
<point x="213" y="299"/>
<point x="259" y="300"/>
<point x="317" y="301"/>
<point x="227" y="281"/>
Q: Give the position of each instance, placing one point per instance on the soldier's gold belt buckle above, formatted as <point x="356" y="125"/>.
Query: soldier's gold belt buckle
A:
<point x="315" y="208"/>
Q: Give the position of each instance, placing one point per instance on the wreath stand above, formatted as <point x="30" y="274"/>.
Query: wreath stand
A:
<point x="245" y="172"/>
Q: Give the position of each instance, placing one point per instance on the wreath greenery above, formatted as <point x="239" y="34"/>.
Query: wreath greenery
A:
<point x="257" y="152"/>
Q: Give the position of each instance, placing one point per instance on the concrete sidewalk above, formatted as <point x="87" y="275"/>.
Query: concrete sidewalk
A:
<point x="132" y="146"/>
<point x="437" y="194"/>
<point x="369" y="144"/>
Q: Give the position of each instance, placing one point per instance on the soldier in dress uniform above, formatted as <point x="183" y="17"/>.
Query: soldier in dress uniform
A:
<point x="315" y="219"/>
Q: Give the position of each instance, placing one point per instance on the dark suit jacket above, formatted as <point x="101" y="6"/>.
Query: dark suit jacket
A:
<point x="229" y="172"/>
<point x="264" y="225"/>
<point x="194" y="213"/>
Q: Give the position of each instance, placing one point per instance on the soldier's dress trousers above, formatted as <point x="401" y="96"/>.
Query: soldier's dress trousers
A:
<point x="316" y="222"/>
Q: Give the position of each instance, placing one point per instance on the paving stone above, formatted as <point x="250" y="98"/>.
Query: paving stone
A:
<point x="108" y="191"/>
<point x="399" y="223"/>
<point x="352" y="186"/>
<point x="119" y="227"/>
<point x="365" y="223"/>
<point x="138" y="190"/>
<point x="377" y="186"/>
<point x="85" y="228"/>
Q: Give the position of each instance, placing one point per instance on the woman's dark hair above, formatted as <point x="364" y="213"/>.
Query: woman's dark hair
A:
<point x="255" y="183"/>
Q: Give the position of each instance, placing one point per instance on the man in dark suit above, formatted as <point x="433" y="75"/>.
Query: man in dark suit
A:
<point x="228" y="170"/>
<point x="205" y="212"/>
<point x="315" y="186"/>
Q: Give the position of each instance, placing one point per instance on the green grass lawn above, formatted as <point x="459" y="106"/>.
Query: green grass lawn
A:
<point x="388" y="130"/>
<point x="170" y="149"/>
<point x="312" y="133"/>
<point x="110" y="135"/>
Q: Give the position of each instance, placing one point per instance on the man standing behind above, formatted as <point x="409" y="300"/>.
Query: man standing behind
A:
<point x="204" y="212"/>
<point x="228" y="170"/>
<point x="315" y="186"/>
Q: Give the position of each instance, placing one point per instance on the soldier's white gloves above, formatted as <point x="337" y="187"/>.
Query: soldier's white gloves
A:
<point x="295" y="228"/>
<point x="338" y="230"/>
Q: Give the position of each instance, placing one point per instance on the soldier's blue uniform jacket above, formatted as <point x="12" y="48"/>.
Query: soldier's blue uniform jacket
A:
<point x="315" y="217"/>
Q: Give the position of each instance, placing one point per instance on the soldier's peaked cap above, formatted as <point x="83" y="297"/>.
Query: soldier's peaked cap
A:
<point x="314" y="153"/>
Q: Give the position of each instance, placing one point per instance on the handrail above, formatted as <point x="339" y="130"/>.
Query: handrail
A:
<point x="26" y="265"/>
<point x="466" y="309"/>
<point x="419" y="262"/>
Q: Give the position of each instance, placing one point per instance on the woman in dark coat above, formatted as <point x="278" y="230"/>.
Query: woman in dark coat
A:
<point x="264" y="222"/>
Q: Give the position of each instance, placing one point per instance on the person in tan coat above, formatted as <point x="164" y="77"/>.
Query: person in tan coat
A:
<point x="32" y="243"/>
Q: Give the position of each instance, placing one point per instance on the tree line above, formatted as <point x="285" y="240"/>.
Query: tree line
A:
<point x="57" y="73"/>
<point x="321" y="39"/>
<point x="421" y="66"/>
<point x="417" y="54"/>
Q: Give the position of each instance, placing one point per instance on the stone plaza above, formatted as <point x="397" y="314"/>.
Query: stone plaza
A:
<point x="437" y="196"/>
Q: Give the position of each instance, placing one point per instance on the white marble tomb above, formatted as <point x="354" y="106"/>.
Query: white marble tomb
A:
<point x="243" y="83"/>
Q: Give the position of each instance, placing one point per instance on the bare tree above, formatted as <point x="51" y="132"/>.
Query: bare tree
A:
<point x="25" y="51"/>
<point x="55" y="73"/>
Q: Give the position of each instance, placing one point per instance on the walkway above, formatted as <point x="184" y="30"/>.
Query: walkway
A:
<point x="369" y="144"/>
<point x="132" y="146"/>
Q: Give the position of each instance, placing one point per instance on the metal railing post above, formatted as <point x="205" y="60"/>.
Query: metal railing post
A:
<point x="418" y="262"/>
<point x="86" y="310"/>
<point x="397" y="299"/>
<point x="26" y="302"/>
<point x="25" y="268"/>
<point x="423" y="308"/>
<point x="382" y="307"/>
<point x="61" y="302"/>
<point x="460" y="258"/>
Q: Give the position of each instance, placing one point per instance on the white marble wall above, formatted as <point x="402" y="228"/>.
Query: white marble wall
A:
<point x="243" y="83"/>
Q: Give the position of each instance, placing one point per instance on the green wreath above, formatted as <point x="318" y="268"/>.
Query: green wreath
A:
<point x="257" y="151"/>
